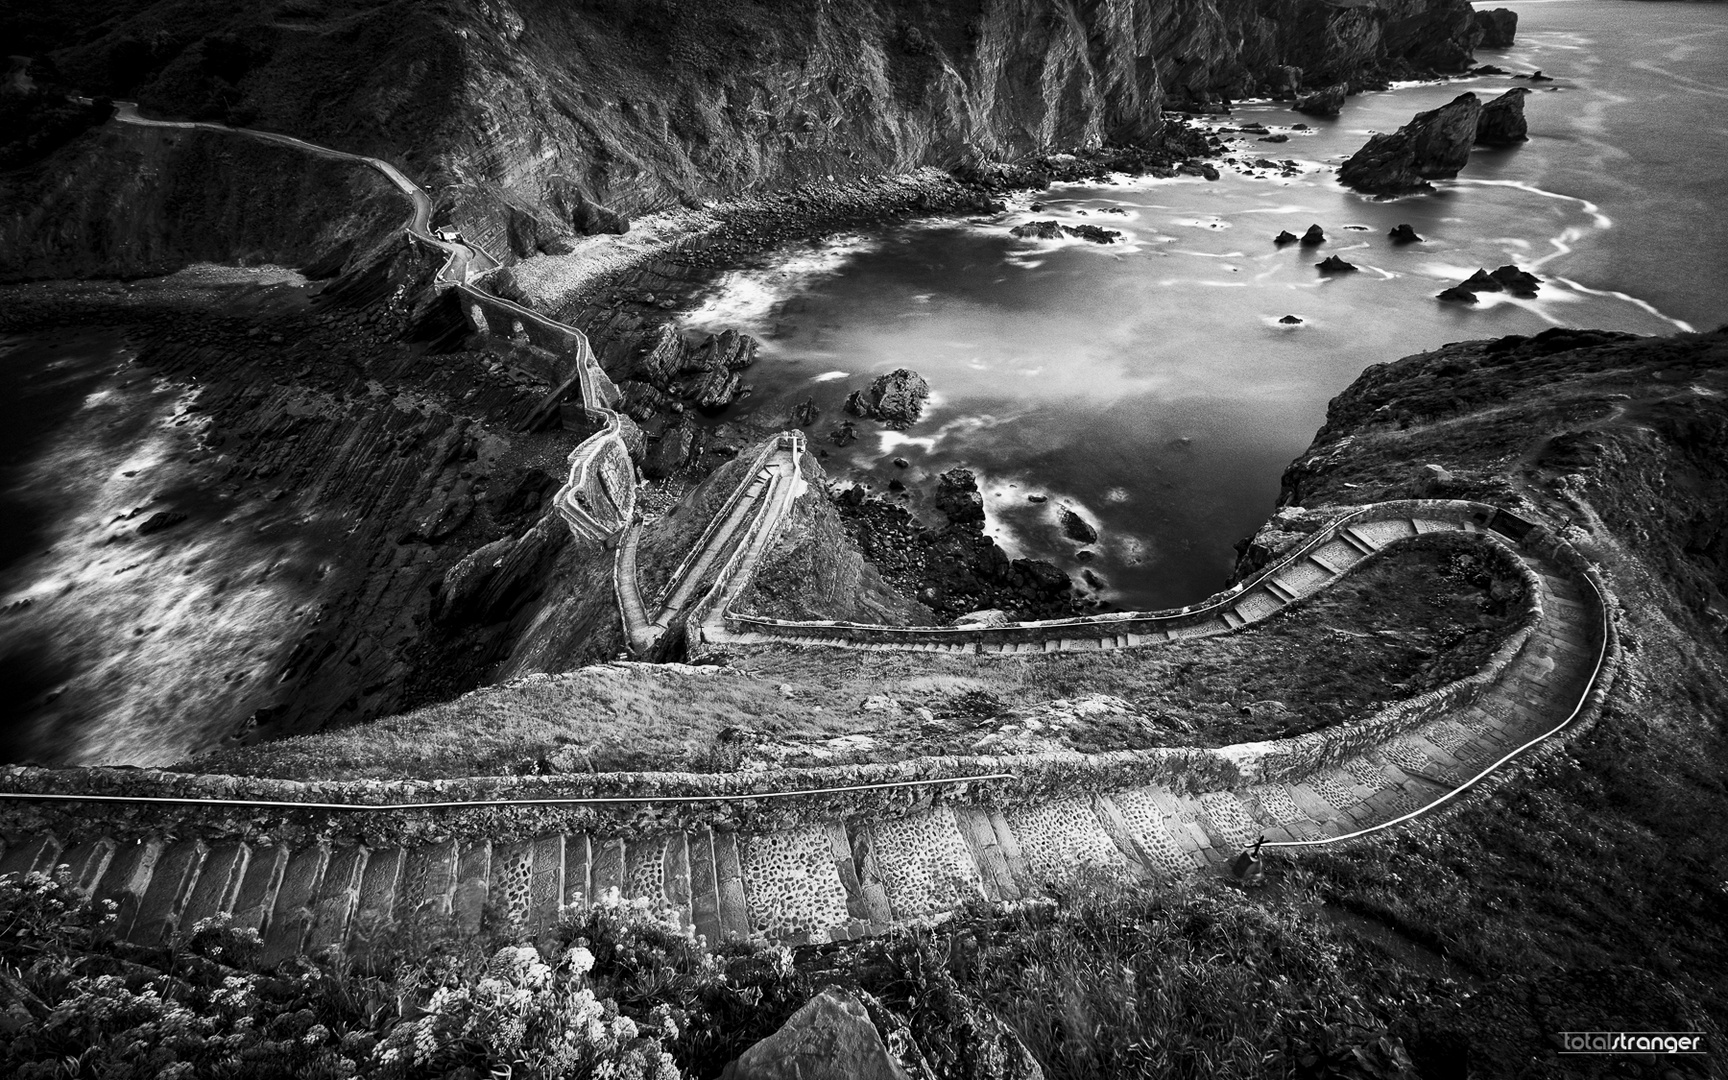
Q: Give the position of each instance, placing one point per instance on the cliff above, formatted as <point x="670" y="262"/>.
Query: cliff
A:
<point x="545" y="110"/>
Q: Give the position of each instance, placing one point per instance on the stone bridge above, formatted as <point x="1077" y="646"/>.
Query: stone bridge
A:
<point x="827" y="853"/>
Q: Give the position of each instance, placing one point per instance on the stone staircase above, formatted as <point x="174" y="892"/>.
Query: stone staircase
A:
<point x="837" y="879"/>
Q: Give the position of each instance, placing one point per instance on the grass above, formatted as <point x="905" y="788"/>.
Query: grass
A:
<point x="1412" y="621"/>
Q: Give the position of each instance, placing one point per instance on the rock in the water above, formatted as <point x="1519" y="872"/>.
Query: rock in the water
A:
<point x="1326" y="102"/>
<point x="896" y="399"/>
<point x="1481" y="281"/>
<point x="1434" y="145"/>
<point x="1280" y="137"/>
<point x="1498" y="27"/>
<point x="1077" y="528"/>
<point x="1093" y="233"/>
<point x="1457" y="294"/>
<point x="844" y="435"/>
<point x="1332" y="264"/>
<point x="1502" y="120"/>
<point x="1038" y="230"/>
<point x="1404" y="234"/>
<point x="805" y="413"/>
<point x="1290" y="320"/>
<point x="1517" y="282"/>
<point x="1285" y="237"/>
<point x="1055" y="230"/>
<point x="831" y="1038"/>
<point x="958" y="497"/>
<point x="1036" y="498"/>
<point x="1314" y="235"/>
<point x="1535" y="76"/>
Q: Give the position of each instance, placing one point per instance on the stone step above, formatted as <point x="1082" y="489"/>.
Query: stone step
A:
<point x="370" y="926"/>
<point x="473" y="878"/>
<point x="338" y="896"/>
<point x="170" y="887"/>
<point x="35" y="855"/>
<point x="126" y="880"/>
<point x="86" y="863"/>
<point x="735" y="922"/>
<point x="793" y="888"/>
<point x="218" y="884"/>
<point x="259" y="884"/>
<point x="291" y="917"/>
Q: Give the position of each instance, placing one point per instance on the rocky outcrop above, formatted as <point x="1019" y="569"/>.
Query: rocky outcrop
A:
<point x="1077" y="528"/>
<point x="1332" y="264"/>
<point x="586" y="117"/>
<point x="1054" y="230"/>
<point x="1434" y="145"/>
<point x="958" y="497"/>
<point x="1404" y="234"/>
<point x="1506" y="279"/>
<point x="1501" y="122"/>
<point x="1314" y="236"/>
<point x="896" y="399"/>
<point x="830" y="1038"/>
<point x="1325" y="102"/>
<point x="1498" y="27"/>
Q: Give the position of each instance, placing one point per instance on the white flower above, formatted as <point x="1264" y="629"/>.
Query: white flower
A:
<point x="579" y="960"/>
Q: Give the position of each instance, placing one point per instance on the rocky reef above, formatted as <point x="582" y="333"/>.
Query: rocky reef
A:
<point x="896" y="399"/>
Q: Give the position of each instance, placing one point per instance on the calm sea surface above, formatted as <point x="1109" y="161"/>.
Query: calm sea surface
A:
<point x="1149" y="383"/>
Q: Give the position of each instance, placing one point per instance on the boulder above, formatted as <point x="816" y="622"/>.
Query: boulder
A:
<point x="1077" y="528"/>
<point x="987" y="617"/>
<point x="896" y="399"/>
<point x="1326" y="102"/>
<point x="1404" y="234"/>
<point x="1332" y="264"/>
<point x="1501" y="122"/>
<point x="1315" y="235"/>
<point x="958" y="497"/>
<point x="584" y="215"/>
<point x="1285" y="237"/>
<point x="1481" y="281"/>
<point x="1498" y="27"/>
<point x="830" y="1038"/>
<point x="1457" y="294"/>
<point x="1434" y="145"/>
<point x="672" y="452"/>
<point x="1290" y="320"/>
<point x="1280" y="137"/>
<point x="844" y="435"/>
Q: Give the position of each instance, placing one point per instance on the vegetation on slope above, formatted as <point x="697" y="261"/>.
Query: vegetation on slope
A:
<point x="1196" y="982"/>
<point x="1401" y="626"/>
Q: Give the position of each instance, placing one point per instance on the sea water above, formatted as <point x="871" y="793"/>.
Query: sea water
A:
<point x="1150" y="384"/>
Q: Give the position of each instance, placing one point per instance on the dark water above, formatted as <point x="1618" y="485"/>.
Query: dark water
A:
<point x="1149" y="383"/>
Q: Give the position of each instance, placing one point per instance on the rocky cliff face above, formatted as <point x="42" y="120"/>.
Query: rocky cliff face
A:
<point x="130" y="201"/>
<point x="557" y="110"/>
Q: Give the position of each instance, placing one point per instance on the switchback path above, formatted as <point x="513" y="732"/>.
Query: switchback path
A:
<point x="1007" y="827"/>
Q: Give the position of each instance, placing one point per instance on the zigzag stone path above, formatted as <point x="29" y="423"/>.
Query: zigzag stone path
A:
<point x="836" y="879"/>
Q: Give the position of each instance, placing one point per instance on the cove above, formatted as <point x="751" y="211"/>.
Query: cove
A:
<point x="1150" y="385"/>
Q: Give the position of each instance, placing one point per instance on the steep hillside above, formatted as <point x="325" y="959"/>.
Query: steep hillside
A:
<point x="544" y="108"/>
